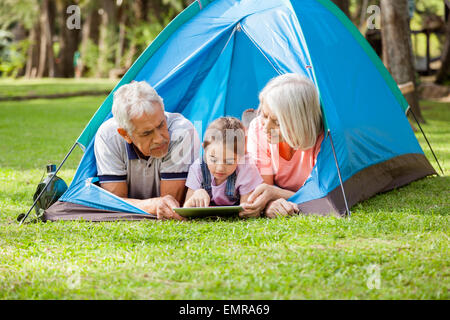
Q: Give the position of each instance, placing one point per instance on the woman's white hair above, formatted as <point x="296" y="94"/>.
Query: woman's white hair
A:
<point x="133" y="100"/>
<point x="294" y="100"/>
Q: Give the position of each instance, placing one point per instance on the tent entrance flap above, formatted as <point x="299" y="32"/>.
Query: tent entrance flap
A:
<point x="250" y="70"/>
<point x="298" y="61"/>
<point x="232" y="83"/>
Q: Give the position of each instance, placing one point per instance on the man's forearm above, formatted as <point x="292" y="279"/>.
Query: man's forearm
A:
<point x="120" y="189"/>
<point x="148" y="205"/>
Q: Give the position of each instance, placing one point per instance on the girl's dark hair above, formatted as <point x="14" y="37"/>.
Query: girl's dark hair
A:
<point x="228" y="130"/>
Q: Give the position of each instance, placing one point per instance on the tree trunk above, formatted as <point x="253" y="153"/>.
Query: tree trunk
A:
<point x="397" y="49"/>
<point x="46" y="55"/>
<point x="362" y="13"/>
<point x="43" y="19"/>
<point x="141" y="8"/>
<point x="344" y="6"/>
<point x="33" y="51"/>
<point x="68" y="40"/>
<point x="444" y="73"/>
<point x="108" y="23"/>
<point x="139" y="12"/>
<point x="121" y="42"/>
<point x="90" y="34"/>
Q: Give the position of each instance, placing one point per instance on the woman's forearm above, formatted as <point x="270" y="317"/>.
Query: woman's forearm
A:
<point x="277" y="191"/>
<point x="281" y="193"/>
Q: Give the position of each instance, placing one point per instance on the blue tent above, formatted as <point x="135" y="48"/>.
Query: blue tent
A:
<point x="214" y="58"/>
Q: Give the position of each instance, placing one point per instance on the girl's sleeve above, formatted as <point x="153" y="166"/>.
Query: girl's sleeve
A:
<point x="194" y="178"/>
<point x="248" y="178"/>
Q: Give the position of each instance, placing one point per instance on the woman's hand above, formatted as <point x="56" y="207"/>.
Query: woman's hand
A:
<point x="259" y="198"/>
<point x="200" y="198"/>
<point x="249" y="213"/>
<point x="281" y="207"/>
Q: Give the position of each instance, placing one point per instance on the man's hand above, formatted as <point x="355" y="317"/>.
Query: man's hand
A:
<point x="164" y="208"/>
<point x="200" y="198"/>
<point x="281" y="207"/>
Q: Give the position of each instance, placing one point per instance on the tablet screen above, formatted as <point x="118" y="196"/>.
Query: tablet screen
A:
<point x="208" y="211"/>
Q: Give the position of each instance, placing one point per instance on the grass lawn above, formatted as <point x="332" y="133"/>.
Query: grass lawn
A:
<point x="402" y="236"/>
<point x="25" y="87"/>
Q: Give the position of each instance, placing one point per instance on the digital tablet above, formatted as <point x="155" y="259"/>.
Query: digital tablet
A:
<point x="208" y="211"/>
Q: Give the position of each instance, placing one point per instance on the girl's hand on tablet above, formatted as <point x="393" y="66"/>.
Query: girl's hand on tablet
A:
<point x="200" y="198"/>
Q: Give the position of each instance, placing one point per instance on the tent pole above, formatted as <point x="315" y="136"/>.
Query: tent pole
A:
<point x="426" y="139"/>
<point x="49" y="181"/>
<point x="339" y="174"/>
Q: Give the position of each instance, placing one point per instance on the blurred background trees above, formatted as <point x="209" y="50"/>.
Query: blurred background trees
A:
<point x="35" y="40"/>
<point x="413" y="37"/>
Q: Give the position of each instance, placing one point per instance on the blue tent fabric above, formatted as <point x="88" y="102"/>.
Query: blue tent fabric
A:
<point x="217" y="61"/>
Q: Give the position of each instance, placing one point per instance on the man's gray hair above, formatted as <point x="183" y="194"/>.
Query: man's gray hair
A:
<point x="133" y="100"/>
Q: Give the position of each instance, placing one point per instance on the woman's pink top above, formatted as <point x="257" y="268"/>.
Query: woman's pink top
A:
<point x="290" y="175"/>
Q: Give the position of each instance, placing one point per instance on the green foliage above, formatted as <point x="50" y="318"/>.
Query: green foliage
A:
<point x="427" y="8"/>
<point x="23" y="11"/>
<point x="177" y="5"/>
<point x="5" y="42"/>
<point x="141" y="35"/>
<point x="107" y="63"/>
<point x="419" y="45"/>
<point x="90" y="57"/>
<point x="431" y="6"/>
<point x="13" y="58"/>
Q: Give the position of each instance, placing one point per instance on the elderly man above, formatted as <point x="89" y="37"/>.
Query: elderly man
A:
<point x="143" y="153"/>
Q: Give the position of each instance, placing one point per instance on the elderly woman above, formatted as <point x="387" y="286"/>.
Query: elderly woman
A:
<point x="284" y="141"/>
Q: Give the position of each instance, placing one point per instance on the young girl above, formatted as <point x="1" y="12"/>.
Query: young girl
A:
<point x="225" y="176"/>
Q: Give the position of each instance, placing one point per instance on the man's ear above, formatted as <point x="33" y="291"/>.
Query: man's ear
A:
<point x="124" y="134"/>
